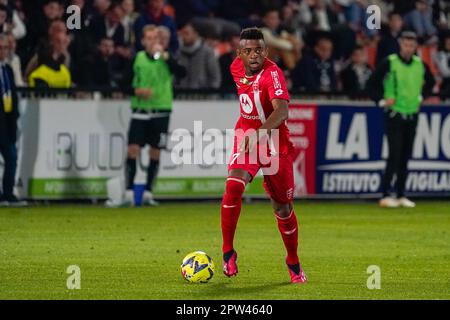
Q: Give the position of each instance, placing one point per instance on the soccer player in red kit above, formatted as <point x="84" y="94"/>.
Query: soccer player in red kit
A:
<point x="263" y="101"/>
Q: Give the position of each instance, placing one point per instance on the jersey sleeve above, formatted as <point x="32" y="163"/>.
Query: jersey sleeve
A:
<point x="276" y="84"/>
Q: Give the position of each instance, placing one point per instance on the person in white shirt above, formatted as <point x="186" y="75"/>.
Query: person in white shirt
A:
<point x="14" y="61"/>
<point x="15" y="26"/>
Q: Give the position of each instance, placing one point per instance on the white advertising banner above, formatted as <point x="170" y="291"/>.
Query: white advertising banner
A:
<point x="69" y="148"/>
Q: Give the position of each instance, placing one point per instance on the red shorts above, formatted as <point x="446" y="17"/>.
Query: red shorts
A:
<point x="278" y="174"/>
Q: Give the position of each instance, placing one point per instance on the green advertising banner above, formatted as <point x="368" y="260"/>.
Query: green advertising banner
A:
<point x="69" y="188"/>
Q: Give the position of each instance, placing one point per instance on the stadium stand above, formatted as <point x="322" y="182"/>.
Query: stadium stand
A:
<point x="302" y="21"/>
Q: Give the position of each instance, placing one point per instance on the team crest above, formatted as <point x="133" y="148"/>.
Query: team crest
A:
<point x="245" y="81"/>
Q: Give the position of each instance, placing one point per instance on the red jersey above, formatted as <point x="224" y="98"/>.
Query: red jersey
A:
<point x="255" y="97"/>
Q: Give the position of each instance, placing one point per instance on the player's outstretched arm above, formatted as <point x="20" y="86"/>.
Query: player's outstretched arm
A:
<point x="279" y="115"/>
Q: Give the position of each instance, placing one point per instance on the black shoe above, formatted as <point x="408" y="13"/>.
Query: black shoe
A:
<point x="14" y="202"/>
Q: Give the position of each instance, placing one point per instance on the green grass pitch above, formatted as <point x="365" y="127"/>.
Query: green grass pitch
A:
<point x="136" y="253"/>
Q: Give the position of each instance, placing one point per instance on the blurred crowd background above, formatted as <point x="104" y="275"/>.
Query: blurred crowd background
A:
<point x="322" y="45"/>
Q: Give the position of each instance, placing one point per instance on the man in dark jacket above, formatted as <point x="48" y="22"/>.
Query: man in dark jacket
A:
<point x="109" y="26"/>
<point x="389" y="38"/>
<point x="356" y="74"/>
<point x="8" y="127"/>
<point x="202" y="65"/>
<point x="104" y="68"/>
<point x="154" y="14"/>
<point x="315" y="71"/>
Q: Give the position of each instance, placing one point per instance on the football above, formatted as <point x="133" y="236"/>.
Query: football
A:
<point x="197" y="267"/>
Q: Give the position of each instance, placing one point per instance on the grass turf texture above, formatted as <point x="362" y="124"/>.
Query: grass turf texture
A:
<point x="136" y="253"/>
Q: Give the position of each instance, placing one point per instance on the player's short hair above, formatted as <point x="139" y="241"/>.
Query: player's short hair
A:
<point x="252" y="34"/>
<point x="163" y="29"/>
<point x="147" y="28"/>
<point x="410" y="35"/>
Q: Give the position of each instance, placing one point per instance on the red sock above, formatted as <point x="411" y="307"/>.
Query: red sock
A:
<point x="230" y="210"/>
<point x="289" y="232"/>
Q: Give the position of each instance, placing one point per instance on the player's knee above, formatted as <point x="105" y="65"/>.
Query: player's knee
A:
<point x="155" y="154"/>
<point x="283" y="210"/>
<point x="235" y="186"/>
<point x="133" y="151"/>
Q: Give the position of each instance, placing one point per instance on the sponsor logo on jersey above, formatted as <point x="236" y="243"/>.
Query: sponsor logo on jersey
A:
<point x="276" y="80"/>
<point x="245" y="116"/>
<point x="246" y="103"/>
<point x="279" y="92"/>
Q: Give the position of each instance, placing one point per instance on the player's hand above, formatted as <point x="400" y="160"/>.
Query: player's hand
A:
<point x="250" y="141"/>
<point x="157" y="48"/>
<point x="144" y="93"/>
<point x="389" y="103"/>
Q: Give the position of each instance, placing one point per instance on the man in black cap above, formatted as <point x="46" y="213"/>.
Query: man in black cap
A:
<point x="399" y="84"/>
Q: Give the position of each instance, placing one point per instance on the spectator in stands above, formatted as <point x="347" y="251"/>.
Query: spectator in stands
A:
<point x="357" y="17"/>
<point x="13" y="24"/>
<point x="202" y="66"/>
<point x="101" y="7"/>
<point x="203" y="15"/>
<point x="442" y="61"/>
<point x="441" y="13"/>
<point x="51" y="71"/>
<point x="316" y="71"/>
<point x="290" y="20"/>
<point x="52" y="11"/>
<point x="105" y="68"/>
<point x="355" y="76"/>
<point x="154" y="14"/>
<point x="128" y="20"/>
<point x="109" y="25"/>
<point x="389" y="38"/>
<point x="56" y="27"/>
<point x="81" y="44"/>
<point x="420" y="19"/>
<point x="14" y="61"/>
<point x="281" y="44"/>
<point x="9" y="113"/>
<point x="227" y="83"/>
<point x="317" y="15"/>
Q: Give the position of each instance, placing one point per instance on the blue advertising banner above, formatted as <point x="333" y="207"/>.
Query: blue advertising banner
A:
<point x="351" y="151"/>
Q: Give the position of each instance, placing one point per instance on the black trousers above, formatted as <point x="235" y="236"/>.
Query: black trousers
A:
<point x="8" y="151"/>
<point x="400" y="131"/>
<point x="9" y="154"/>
